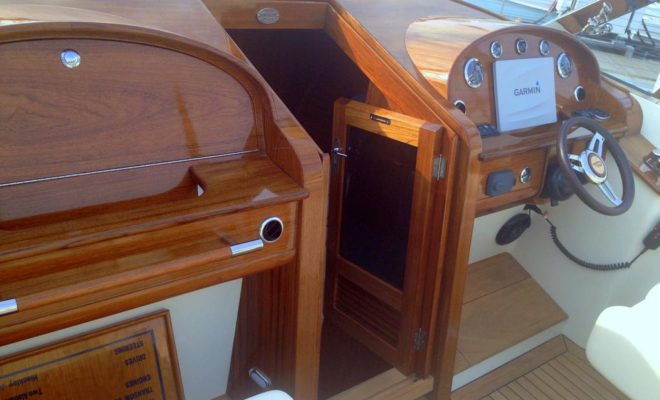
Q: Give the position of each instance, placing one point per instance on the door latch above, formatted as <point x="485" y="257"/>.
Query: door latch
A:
<point x="337" y="152"/>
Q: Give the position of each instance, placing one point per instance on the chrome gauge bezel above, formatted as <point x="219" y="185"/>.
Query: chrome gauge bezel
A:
<point x="473" y="72"/>
<point x="521" y="46"/>
<point x="496" y="49"/>
<point x="564" y="70"/>
<point x="576" y="93"/>
<point x="544" y="47"/>
<point x="460" y="104"/>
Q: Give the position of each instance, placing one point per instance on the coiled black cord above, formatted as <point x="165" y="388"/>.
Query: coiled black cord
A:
<point x="598" y="267"/>
<point x="567" y="253"/>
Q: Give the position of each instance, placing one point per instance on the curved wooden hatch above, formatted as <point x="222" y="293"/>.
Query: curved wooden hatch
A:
<point x="145" y="172"/>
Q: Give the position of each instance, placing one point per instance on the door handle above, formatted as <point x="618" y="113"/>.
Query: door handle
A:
<point x="8" y="306"/>
<point x="246" y="247"/>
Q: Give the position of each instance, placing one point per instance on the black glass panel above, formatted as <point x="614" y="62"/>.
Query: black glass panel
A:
<point x="378" y="185"/>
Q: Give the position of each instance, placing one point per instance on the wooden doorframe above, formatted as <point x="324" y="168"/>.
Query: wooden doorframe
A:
<point x="418" y="300"/>
<point x="404" y="93"/>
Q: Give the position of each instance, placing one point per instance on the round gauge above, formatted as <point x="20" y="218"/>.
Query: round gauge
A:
<point x="474" y="73"/>
<point x="544" y="47"/>
<point x="521" y="46"/>
<point x="496" y="49"/>
<point x="580" y="93"/>
<point x="564" y="65"/>
<point x="460" y="104"/>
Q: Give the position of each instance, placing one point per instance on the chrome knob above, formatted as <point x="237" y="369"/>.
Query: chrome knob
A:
<point x="525" y="175"/>
<point x="70" y="58"/>
<point x="268" y="16"/>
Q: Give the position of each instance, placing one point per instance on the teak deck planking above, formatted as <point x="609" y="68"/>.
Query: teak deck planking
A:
<point x="557" y="369"/>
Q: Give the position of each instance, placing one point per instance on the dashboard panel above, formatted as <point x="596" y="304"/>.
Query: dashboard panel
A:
<point x="538" y="76"/>
<point x="479" y="102"/>
<point x="445" y="50"/>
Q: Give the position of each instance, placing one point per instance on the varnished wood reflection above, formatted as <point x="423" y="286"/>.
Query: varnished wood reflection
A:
<point x="126" y="180"/>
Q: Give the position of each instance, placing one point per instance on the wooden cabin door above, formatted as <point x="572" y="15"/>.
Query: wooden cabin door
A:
<point x="388" y="201"/>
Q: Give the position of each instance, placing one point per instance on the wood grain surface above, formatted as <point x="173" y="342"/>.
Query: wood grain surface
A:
<point x="126" y="105"/>
<point x="390" y="385"/>
<point x="556" y="369"/>
<point x="503" y="306"/>
<point x="377" y="46"/>
<point x="172" y="16"/>
<point x="384" y="317"/>
<point x="509" y="372"/>
<point x="166" y="92"/>
<point x="292" y="14"/>
<point x="440" y="48"/>
<point x="134" y="358"/>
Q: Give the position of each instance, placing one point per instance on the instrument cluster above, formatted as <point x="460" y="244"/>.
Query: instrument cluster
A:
<point x="575" y="70"/>
<point x="473" y="70"/>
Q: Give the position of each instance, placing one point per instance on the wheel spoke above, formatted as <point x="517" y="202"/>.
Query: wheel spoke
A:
<point x="607" y="190"/>
<point x="597" y="143"/>
<point x="576" y="163"/>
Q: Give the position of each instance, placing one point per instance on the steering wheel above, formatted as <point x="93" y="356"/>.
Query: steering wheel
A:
<point x="590" y="165"/>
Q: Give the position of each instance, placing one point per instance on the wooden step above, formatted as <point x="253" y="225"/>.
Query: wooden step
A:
<point x="503" y="305"/>
<point x="390" y="385"/>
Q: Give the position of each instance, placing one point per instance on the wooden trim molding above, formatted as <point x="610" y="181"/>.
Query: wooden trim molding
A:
<point x="292" y="14"/>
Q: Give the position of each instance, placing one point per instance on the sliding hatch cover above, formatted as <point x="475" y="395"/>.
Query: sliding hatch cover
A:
<point x="387" y="211"/>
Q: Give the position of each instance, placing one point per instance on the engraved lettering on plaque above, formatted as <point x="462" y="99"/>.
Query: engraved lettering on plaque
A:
<point x="131" y="361"/>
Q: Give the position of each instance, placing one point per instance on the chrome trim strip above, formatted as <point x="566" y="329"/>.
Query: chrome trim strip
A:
<point x="247" y="247"/>
<point x="130" y="167"/>
<point x="8" y="306"/>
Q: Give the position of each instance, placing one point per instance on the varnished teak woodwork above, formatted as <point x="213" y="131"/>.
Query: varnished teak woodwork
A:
<point x="115" y="205"/>
<point x="503" y="306"/>
<point x="440" y="47"/>
<point x="373" y="36"/>
<point x="397" y="312"/>
<point x="130" y="359"/>
<point x="126" y="180"/>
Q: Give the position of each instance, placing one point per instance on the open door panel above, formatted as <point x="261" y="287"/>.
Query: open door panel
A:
<point x="387" y="210"/>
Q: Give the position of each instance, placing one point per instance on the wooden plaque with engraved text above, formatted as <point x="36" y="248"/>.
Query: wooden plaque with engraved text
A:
<point x="129" y="361"/>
